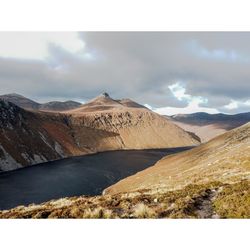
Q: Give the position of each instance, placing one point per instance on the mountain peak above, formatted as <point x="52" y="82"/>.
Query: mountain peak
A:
<point x="105" y="94"/>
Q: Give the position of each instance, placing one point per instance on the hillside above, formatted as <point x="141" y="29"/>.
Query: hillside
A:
<point x="212" y="200"/>
<point x="225" y="158"/>
<point x="207" y="126"/>
<point x="137" y="127"/>
<point x="30" y="137"/>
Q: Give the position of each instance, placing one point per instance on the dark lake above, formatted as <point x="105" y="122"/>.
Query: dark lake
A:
<point x="81" y="175"/>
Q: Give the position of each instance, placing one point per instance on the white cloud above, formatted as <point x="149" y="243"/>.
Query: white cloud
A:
<point x="193" y="105"/>
<point x="233" y="105"/>
<point x="35" y="45"/>
<point x="178" y="91"/>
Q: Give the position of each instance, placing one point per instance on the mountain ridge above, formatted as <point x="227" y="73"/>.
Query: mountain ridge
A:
<point x="26" y="103"/>
<point x="207" y="126"/>
<point x="33" y="136"/>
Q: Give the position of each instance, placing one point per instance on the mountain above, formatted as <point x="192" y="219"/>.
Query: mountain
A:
<point x="20" y="101"/>
<point x="137" y="127"/>
<point x="59" y="106"/>
<point x="29" y="137"/>
<point x="224" y="159"/>
<point x="29" y="104"/>
<point x="208" y="126"/>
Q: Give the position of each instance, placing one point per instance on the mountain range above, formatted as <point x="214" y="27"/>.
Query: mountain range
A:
<point x="30" y="136"/>
<point x="207" y="126"/>
<point x="29" y="104"/>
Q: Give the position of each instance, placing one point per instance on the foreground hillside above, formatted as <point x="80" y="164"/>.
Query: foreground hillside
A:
<point x="225" y="158"/>
<point x="30" y="137"/>
<point x="211" y="200"/>
<point x="207" y="126"/>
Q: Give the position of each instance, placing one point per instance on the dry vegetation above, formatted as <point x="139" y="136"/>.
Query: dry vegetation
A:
<point x="225" y="158"/>
<point x="230" y="201"/>
<point x="234" y="201"/>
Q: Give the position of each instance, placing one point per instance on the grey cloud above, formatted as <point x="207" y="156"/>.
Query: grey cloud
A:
<point x="139" y="65"/>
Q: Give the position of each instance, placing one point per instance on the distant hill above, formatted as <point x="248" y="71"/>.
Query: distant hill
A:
<point x="208" y="126"/>
<point x="20" y="101"/>
<point x="59" y="106"/>
<point x="29" y="104"/>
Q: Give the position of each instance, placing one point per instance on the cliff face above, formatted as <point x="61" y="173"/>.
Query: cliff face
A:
<point x="31" y="137"/>
<point x="225" y="158"/>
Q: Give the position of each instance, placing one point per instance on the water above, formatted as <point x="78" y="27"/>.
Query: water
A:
<point x="82" y="175"/>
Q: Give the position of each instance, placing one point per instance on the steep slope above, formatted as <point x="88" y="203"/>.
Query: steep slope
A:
<point x="137" y="127"/>
<point x="29" y="104"/>
<point x="225" y="158"/>
<point x="29" y="137"/>
<point x="208" y="126"/>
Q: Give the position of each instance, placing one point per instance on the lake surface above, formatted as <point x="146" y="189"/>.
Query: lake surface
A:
<point x="81" y="175"/>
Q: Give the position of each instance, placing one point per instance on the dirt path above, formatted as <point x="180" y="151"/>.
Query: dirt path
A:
<point x="205" y="207"/>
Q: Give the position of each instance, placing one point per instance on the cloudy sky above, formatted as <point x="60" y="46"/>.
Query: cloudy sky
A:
<point x="169" y="72"/>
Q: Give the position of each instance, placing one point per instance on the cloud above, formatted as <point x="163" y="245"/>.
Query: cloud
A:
<point x="36" y="45"/>
<point x="217" y="53"/>
<point x="139" y="65"/>
<point x="237" y="106"/>
<point x="193" y="103"/>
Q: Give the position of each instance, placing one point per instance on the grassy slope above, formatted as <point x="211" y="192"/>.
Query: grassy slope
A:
<point x="224" y="159"/>
<point x="230" y="201"/>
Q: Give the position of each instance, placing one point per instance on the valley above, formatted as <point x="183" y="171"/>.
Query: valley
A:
<point x="112" y="158"/>
<point x="83" y="175"/>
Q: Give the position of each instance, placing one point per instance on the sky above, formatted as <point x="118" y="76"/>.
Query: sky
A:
<point x="169" y="72"/>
